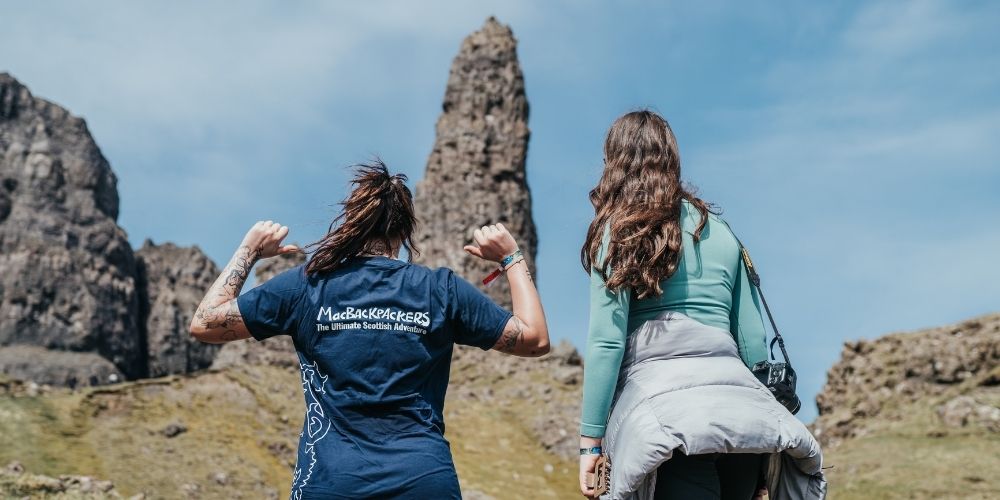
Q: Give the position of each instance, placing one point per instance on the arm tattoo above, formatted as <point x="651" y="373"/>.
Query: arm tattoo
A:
<point x="217" y="309"/>
<point x="239" y="269"/>
<point x="511" y="336"/>
<point x="217" y="317"/>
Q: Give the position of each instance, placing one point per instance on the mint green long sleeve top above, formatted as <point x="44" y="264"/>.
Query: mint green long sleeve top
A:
<point x="710" y="286"/>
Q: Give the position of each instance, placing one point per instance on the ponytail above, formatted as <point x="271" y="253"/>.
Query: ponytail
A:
<point x="377" y="216"/>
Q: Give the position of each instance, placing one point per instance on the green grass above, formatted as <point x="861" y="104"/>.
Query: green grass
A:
<point x="496" y="455"/>
<point x="116" y="434"/>
<point x="243" y="422"/>
<point x="900" y="466"/>
<point x="909" y="453"/>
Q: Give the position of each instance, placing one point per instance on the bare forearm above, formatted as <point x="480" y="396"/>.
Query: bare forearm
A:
<point x="218" y="317"/>
<point x="233" y="277"/>
<point x="525" y="334"/>
<point x="218" y="309"/>
<point x="524" y="297"/>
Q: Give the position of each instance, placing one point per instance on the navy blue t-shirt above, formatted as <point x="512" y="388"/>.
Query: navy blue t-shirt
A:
<point x="374" y="341"/>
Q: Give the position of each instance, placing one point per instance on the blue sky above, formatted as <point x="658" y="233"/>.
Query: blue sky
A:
<point x="853" y="145"/>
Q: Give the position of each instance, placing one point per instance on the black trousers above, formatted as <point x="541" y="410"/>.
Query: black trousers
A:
<point x="716" y="476"/>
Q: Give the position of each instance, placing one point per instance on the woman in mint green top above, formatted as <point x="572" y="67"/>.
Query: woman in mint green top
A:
<point x="710" y="285"/>
<point x="655" y="249"/>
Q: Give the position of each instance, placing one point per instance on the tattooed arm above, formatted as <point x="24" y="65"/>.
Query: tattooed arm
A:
<point x="218" y="318"/>
<point x="526" y="333"/>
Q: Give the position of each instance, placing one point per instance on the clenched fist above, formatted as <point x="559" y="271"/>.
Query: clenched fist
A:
<point x="265" y="239"/>
<point x="493" y="243"/>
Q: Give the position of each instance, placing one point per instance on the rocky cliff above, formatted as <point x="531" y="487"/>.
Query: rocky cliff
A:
<point x="476" y="175"/>
<point x="956" y="368"/>
<point x="68" y="281"/>
<point x="915" y="415"/>
<point x="476" y="171"/>
<point x="79" y="306"/>
<point x="172" y="281"/>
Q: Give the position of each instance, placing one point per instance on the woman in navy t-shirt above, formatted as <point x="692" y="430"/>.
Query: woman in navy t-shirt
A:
<point x="374" y="338"/>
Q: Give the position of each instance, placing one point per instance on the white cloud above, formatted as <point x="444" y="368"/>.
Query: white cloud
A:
<point x="894" y="29"/>
<point x="204" y="64"/>
<point x="219" y="102"/>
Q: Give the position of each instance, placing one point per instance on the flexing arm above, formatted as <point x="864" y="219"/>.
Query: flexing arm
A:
<point x="218" y="318"/>
<point x="526" y="333"/>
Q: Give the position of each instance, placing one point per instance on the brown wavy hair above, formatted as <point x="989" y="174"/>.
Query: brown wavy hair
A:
<point x="639" y="197"/>
<point x="377" y="218"/>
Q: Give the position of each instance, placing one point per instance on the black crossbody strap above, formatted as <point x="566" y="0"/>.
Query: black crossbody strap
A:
<point x="755" y="279"/>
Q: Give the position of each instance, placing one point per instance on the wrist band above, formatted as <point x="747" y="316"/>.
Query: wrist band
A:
<point x="505" y="264"/>
<point x="508" y="260"/>
<point x="515" y="261"/>
<point x="596" y="450"/>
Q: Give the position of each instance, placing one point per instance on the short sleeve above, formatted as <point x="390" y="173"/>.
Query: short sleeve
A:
<point x="269" y="309"/>
<point x="476" y="319"/>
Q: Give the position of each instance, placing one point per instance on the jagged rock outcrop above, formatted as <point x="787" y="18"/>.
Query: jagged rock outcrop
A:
<point x="476" y="172"/>
<point x="80" y="307"/>
<point x="475" y="176"/>
<point x="68" y="280"/>
<point x="955" y="369"/>
<point x="172" y="281"/>
<point x="279" y="350"/>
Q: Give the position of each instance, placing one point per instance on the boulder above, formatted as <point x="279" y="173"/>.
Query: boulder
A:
<point x="964" y="411"/>
<point x="53" y="367"/>
<point x="15" y="482"/>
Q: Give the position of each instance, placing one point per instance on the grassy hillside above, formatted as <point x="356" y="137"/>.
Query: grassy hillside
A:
<point x="915" y="458"/>
<point x="232" y="434"/>
<point x="913" y="415"/>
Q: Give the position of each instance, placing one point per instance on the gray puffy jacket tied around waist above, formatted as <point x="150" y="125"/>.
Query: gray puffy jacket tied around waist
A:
<point x="684" y="387"/>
